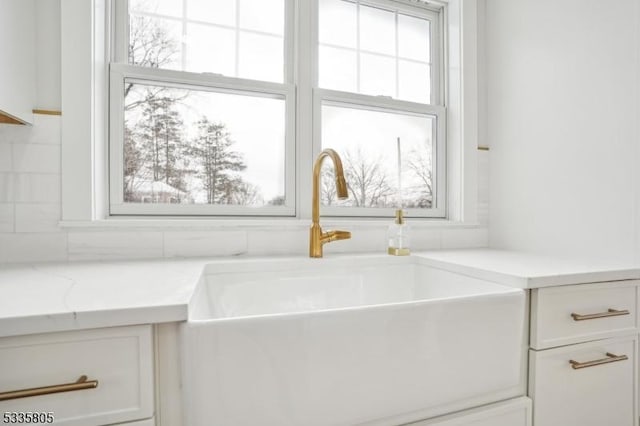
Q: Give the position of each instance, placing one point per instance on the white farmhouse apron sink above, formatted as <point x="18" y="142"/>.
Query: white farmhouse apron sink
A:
<point x="356" y="340"/>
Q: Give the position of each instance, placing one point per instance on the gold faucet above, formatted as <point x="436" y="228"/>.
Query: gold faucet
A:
<point x="318" y="238"/>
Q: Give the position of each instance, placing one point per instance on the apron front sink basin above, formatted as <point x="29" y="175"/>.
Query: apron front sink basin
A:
<point x="357" y="340"/>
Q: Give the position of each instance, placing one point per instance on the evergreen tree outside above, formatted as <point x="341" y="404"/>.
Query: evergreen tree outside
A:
<point x="211" y="150"/>
<point x="160" y="133"/>
<point x="168" y="155"/>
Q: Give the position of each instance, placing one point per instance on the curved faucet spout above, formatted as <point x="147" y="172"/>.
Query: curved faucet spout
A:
<point x="316" y="240"/>
<point x="341" y="184"/>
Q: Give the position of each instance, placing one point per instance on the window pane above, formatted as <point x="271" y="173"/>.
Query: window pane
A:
<point x="338" y="23"/>
<point x="221" y="12"/>
<point x="377" y="75"/>
<point x="367" y="142"/>
<point x="202" y="41"/>
<point x="338" y="69"/>
<point x="413" y="38"/>
<point x="415" y="81"/>
<point x="195" y="147"/>
<point x="377" y="30"/>
<point x="155" y="43"/>
<point x="262" y="15"/>
<point x="391" y="56"/>
<point x="261" y="57"/>
<point x="160" y="7"/>
<point x="211" y="32"/>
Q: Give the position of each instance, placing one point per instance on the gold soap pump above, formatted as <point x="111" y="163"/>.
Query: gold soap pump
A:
<point x="398" y="236"/>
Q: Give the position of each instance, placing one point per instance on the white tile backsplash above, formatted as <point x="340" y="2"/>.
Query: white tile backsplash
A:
<point x="483" y="188"/>
<point x="6" y="217"/>
<point x="362" y="240"/>
<point x="115" y="245"/>
<point x="280" y="242"/>
<point x="36" y="158"/>
<point x="205" y="243"/>
<point x="10" y="133"/>
<point x="6" y="159"/>
<point x="36" y="188"/>
<point x="37" y="217"/>
<point x="465" y="238"/>
<point x="46" y="130"/>
<point x="30" y="211"/>
<point x="33" y="247"/>
<point x="6" y="187"/>
<point x="425" y="239"/>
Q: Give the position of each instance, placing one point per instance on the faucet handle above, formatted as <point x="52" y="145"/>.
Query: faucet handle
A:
<point x="329" y="236"/>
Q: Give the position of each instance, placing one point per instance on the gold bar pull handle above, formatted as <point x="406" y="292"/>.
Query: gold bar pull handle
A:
<point x="81" y="384"/>
<point x="609" y="313"/>
<point x="609" y="359"/>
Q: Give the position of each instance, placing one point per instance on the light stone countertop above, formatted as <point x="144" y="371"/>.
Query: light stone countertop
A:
<point x="68" y="296"/>
<point x="527" y="270"/>
<point x="38" y="298"/>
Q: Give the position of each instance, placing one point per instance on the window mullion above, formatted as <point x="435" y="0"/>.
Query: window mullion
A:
<point x="397" y="54"/>
<point x="203" y="80"/>
<point x="237" y="40"/>
<point x="306" y="64"/>
<point x="120" y="28"/>
<point x="358" y="53"/>
<point x="183" y="57"/>
<point x="380" y="102"/>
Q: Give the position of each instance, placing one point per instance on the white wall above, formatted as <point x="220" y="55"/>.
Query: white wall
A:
<point x="562" y="108"/>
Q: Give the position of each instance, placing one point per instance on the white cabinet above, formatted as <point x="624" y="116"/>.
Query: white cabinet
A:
<point x="589" y="384"/>
<point x="583" y="362"/>
<point x="17" y="60"/>
<point x="117" y="363"/>
<point x="515" y="412"/>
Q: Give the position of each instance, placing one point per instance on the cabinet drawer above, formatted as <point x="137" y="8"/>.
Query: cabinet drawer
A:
<point x="515" y="412"/>
<point x="120" y="359"/>
<point x="599" y="390"/>
<point x="579" y="313"/>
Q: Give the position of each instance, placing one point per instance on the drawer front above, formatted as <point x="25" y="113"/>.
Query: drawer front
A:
<point x="579" y="313"/>
<point x="595" y="389"/>
<point x="120" y="359"/>
<point x="515" y="412"/>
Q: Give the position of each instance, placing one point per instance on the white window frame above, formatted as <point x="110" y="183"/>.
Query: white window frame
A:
<point x="121" y="72"/>
<point x="436" y="108"/>
<point x="381" y="104"/>
<point x="85" y="43"/>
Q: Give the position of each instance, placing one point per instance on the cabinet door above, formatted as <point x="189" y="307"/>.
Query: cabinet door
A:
<point x="18" y="63"/>
<point x="590" y="384"/>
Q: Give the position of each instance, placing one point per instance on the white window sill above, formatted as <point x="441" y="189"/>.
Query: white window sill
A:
<point x="256" y="224"/>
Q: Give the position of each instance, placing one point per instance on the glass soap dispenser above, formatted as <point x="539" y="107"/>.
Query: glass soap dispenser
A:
<point x="398" y="236"/>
